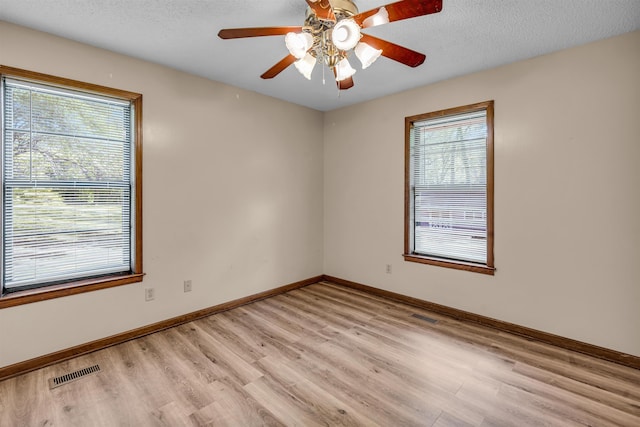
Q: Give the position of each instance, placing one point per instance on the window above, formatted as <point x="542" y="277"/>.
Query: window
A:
<point x="449" y="188"/>
<point x="71" y="179"/>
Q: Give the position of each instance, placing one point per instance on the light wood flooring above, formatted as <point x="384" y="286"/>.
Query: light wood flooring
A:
<point x="327" y="355"/>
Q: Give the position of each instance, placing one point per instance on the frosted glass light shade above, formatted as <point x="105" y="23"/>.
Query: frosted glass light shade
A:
<point x="344" y="70"/>
<point x="305" y="65"/>
<point x="346" y="34"/>
<point x="298" y="43"/>
<point x="378" y="18"/>
<point x="366" y="54"/>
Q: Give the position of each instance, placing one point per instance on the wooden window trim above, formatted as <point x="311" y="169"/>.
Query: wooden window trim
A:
<point x="107" y="281"/>
<point x="489" y="267"/>
<point x="458" y="265"/>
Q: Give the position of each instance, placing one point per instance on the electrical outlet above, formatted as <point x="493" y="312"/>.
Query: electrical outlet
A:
<point x="187" y="285"/>
<point x="388" y="268"/>
<point x="149" y="294"/>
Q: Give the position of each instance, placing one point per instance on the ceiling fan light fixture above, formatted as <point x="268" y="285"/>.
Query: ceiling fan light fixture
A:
<point x="305" y="65"/>
<point x="366" y="54"/>
<point x="344" y="70"/>
<point x="346" y="34"/>
<point x="298" y="43"/>
<point x="332" y="29"/>
<point x="378" y="18"/>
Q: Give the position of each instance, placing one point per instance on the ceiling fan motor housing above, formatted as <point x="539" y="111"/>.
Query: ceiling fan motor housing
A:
<point x="346" y="8"/>
<point x="341" y="9"/>
<point x="322" y="29"/>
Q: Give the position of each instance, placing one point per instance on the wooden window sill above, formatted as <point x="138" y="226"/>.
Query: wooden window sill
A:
<point x="66" y="289"/>
<point x="458" y="265"/>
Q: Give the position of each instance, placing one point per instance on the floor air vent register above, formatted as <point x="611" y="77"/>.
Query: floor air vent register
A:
<point x="72" y="376"/>
<point x="425" y="318"/>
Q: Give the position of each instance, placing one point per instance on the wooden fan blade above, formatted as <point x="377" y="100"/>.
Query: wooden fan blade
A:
<point x="322" y="9"/>
<point x="393" y="51"/>
<point x="403" y="9"/>
<point x="345" y="83"/>
<point x="238" y="33"/>
<point x="279" y="67"/>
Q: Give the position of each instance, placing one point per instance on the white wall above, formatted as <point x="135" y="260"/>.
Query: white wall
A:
<point x="232" y="197"/>
<point x="567" y="194"/>
<point x="239" y="215"/>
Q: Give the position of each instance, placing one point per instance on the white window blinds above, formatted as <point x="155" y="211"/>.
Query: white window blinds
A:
<point x="448" y="173"/>
<point x="67" y="185"/>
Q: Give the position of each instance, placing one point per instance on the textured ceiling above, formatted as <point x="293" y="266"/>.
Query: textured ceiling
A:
<point x="467" y="36"/>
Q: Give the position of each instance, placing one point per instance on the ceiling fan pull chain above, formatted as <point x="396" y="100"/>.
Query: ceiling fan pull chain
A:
<point x="323" y="82"/>
<point x="320" y="55"/>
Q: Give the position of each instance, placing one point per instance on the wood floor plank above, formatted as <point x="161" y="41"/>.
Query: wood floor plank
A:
<point x="370" y="400"/>
<point x="235" y="408"/>
<point x="328" y="355"/>
<point x="410" y="364"/>
<point x="521" y="349"/>
<point x="324" y="404"/>
<point x="131" y="373"/>
<point x="447" y="420"/>
<point x="336" y="307"/>
<point x="224" y="363"/>
<point x="128" y="374"/>
<point x="284" y="325"/>
<point x="279" y="304"/>
<point x="258" y="336"/>
<point x="391" y="402"/>
<point x="173" y="414"/>
<point x="580" y="391"/>
<point x="540" y="400"/>
<point x="331" y="317"/>
<point x="216" y="326"/>
<point x="377" y="371"/>
<point x="291" y="409"/>
<point x="19" y="402"/>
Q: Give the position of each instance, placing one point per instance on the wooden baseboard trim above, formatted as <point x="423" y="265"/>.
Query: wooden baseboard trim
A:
<point x="545" y="337"/>
<point x="562" y="342"/>
<point x="79" y="350"/>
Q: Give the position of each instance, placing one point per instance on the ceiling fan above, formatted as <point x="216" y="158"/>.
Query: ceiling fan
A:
<point x="332" y="29"/>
